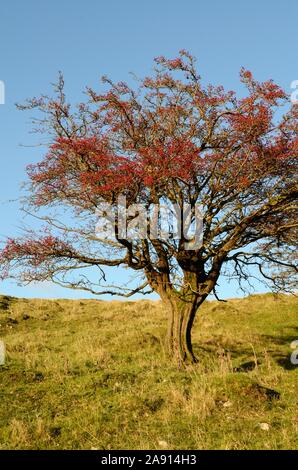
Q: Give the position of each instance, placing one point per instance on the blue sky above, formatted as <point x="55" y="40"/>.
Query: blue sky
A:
<point x="86" y="39"/>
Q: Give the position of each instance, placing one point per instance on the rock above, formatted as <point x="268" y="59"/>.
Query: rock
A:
<point x="227" y="404"/>
<point x="264" y="426"/>
<point x="163" y="444"/>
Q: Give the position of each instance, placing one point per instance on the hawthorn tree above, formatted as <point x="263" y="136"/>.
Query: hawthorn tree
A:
<point x="172" y="141"/>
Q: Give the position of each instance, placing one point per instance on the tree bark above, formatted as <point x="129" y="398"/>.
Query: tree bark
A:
<point x="182" y="307"/>
<point x="182" y="315"/>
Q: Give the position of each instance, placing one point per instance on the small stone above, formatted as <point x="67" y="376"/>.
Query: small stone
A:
<point x="227" y="404"/>
<point x="264" y="426"/>
<point x="163" y="444"/>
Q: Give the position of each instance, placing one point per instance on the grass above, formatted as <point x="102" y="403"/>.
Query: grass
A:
<point x="94" y="375"/>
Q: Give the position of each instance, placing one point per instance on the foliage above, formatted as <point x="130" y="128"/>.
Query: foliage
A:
<point x="176" y="141"/>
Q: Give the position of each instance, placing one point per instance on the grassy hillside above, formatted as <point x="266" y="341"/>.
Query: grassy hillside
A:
<point x="92" y="374"/>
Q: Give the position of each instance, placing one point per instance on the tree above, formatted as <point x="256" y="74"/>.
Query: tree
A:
<point x="172" y="141"/>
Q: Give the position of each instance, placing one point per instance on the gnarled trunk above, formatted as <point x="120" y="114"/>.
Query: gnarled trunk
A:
<point x="182" y="315"/>
<point x="182" y="306"/>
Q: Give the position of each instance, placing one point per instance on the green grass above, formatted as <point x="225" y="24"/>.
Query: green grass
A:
<point x="92" y="374"/>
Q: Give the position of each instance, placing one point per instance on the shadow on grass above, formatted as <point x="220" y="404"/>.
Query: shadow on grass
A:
<point x="217" y="348"/>
<point x="283" y="360"/>
<point x="282" y="339"/>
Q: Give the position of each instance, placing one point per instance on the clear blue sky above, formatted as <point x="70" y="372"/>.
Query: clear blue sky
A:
<point x="86" y="39"/>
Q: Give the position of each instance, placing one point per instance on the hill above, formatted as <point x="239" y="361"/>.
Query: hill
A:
<point x="93" y="374"/>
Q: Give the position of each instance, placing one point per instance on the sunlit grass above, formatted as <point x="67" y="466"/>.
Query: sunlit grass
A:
<point x="91" y="374"/>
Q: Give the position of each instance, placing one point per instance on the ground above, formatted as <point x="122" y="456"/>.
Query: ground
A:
<point x="94" y="375"/>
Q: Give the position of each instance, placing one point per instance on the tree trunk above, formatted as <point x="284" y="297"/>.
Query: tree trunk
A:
<point x="182" y="316"/>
